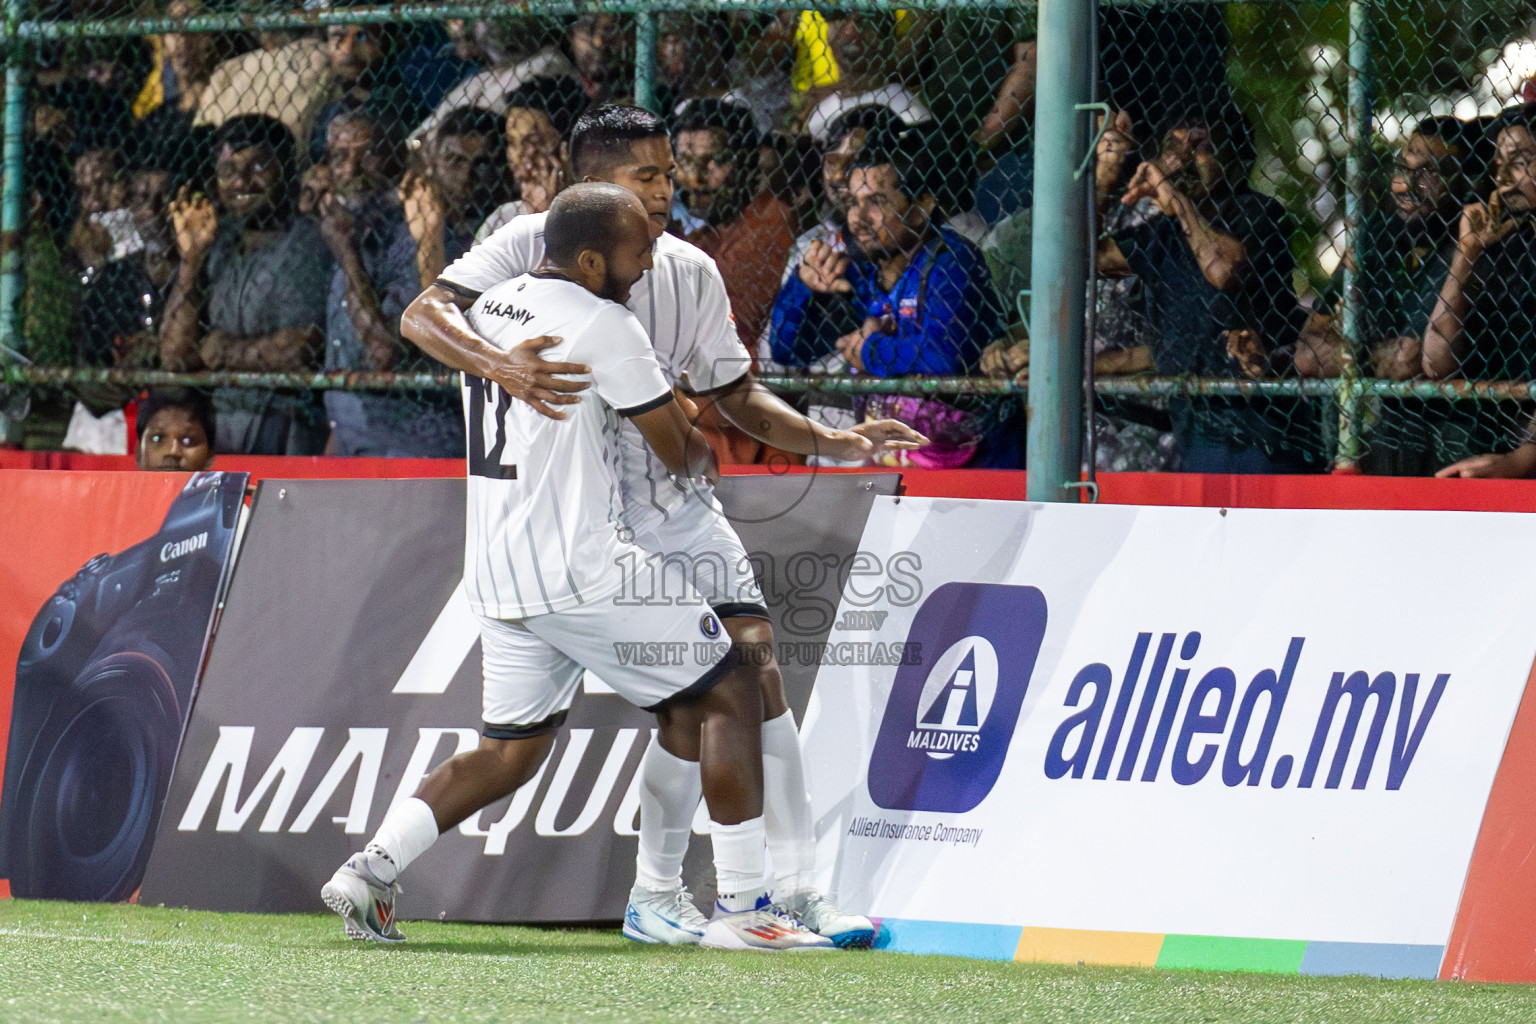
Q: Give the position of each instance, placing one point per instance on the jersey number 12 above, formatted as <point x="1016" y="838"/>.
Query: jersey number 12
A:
<point x="481" y="462"/>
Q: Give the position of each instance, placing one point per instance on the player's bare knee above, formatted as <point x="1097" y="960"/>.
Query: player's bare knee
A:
<point x="750" y="631"/>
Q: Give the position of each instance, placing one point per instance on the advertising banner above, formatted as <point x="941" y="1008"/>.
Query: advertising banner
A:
<point x="110" y="583"/>
<point x="1170" y="736"/>
<point x="347" y="666"/>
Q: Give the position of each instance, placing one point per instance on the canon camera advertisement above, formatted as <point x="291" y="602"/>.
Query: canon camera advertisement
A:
<point x="104" y="683"/>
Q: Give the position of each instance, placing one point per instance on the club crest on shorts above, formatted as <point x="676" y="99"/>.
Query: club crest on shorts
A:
<point x="709" y="625"/>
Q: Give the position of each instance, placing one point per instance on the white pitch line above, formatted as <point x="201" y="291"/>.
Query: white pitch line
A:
<point x="17" y="933"/>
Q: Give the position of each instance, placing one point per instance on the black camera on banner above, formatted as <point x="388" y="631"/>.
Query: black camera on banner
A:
<point x="103" y="686"/>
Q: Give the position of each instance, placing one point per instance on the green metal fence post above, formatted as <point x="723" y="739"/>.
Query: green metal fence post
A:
<point x="12" y="202"/>
<point x="645" y="60"/>
<point x="1357" y="171"/>
<point x="1059" y="252"/>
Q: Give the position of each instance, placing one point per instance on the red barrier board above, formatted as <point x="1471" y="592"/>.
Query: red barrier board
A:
<point x="50" y="525"/>
<point x="1210" y="491"/>
<point x="1494" y="938"/>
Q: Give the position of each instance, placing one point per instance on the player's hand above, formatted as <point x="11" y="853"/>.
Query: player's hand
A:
<point x="529" y="378"/>
<point x="889" y="436"/>
<point x="1487" y="467"/>
<point x="823" y="270"/>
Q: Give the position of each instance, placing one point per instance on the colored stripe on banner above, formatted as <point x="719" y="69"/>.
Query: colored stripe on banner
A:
<point x="1372" y="959"/>
<point x="1217" y="953"/>
<point x="1070" y="946"/>
<point x="980" y="941"/>
<point x="1167" y="952"/>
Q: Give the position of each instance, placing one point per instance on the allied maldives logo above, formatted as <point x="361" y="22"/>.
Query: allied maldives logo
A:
<point x="948" y="722"/>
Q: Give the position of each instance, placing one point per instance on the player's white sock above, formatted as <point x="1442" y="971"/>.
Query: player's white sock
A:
<point x="669" y="798"/>
<point x="407" y="832"/>
<point x="787" y="807"/>
<point x="739" y="863"/>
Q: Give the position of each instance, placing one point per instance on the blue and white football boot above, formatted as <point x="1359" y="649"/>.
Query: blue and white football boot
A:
<point x="666" y="917"/>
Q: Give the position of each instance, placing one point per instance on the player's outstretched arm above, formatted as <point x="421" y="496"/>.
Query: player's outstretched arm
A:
<point x="435" y="321"/>
<point x="771" y="420"/>
<point x="676" y="441"/>
<point x="1514" y="465"/>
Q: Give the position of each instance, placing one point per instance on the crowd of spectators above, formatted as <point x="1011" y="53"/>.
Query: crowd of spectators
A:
<point x="272" y="202"/>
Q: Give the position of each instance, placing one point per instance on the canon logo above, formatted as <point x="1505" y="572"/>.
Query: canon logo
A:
<point x="184" y="547"/>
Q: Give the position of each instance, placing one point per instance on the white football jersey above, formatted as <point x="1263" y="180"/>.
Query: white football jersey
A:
<point x="681" y="303"/>
<point x="543" y="498"/>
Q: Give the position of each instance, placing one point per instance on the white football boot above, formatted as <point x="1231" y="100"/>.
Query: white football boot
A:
<point x="365" y="902"/>
<point x="663" y="917"/>
<point x="820" y="915"/>
<point x="764" y="928"/>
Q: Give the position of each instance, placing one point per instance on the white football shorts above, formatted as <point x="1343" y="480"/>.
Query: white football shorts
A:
<point x="648" y="652"/>
<point x="698" y="547"/>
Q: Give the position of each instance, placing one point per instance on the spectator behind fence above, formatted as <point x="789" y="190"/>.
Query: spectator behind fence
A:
<point x="922" y="296"/>
<point x="1006" y="141"/>
<point x="250" y="292"/>
<point x="117" y="64"/>
<point x="78" y="116"/>
<point x="863" y="45"/>
<point x="691" y="58"/>
<point x="538" y="125"/>
<point x="430" y="63"/>
<point x="1406" y="251"/>
<point x="603" y="50"/>
<point x="762" y="55"/>
<point x="461" y="185"/>
<point x="1405" y="248"/>
<point x="736" y="217"/>
<point x="285" y="78"/>
<point x="176" y="428"/>
<point x="122" y="301"/>
<point x="1215" y="268"/>
<point x="847" y="136"/>
<point x="1481" y="326"/>
<point x="365" y="73"/>
<point x="1125" y="439"/>
<point x="168" y="103"/>
<point x="103" y="229"/>
<point x="828" y="319"/>
<point x="511" y="54"/>
<point x="375" y="278"/>
<point x="744" y="227"/>
<point x="1483" y="319"/>
<point x="52" y="279"/>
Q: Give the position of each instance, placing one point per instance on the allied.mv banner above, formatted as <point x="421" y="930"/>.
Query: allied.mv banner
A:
<point x="1141" y="725"/>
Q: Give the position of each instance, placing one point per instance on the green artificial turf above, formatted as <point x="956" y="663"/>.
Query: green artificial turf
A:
<point x="70" y="962"/>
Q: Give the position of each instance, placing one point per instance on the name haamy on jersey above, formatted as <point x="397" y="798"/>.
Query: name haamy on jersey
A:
<point x="680" y="303"/>
<point x="543" y="501"/>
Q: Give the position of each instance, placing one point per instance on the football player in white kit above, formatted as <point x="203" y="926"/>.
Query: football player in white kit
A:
<point x="681" y="302"/>
<point x="542" y="570"/>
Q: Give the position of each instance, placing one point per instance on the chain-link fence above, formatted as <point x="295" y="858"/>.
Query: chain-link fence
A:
<point x="1312" y="219"/>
